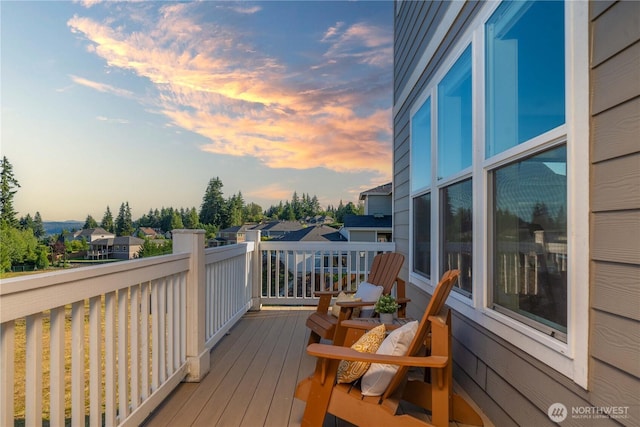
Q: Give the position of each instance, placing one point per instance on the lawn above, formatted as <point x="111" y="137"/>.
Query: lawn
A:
<point x="20" y="368"/>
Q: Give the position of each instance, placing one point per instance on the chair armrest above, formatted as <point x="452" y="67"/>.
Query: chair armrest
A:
<point x="324" y="293"/>
<point x="327" y="351"/>
<point x="354" y="304"/>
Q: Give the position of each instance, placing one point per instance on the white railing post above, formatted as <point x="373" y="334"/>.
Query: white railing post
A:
<point x="192" y="241"/>
<point x="256" y="270"/>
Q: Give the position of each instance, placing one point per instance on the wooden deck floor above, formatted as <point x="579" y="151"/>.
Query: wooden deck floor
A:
<point x="254" y="372"/>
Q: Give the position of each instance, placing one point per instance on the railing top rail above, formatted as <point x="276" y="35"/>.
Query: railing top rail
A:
<point x="27" y="295"/>
<point x="328" y="246"/>
<point x="229" y="251"/>
<point x="24" y="283"/>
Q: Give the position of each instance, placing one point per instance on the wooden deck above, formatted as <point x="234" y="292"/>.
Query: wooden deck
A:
<point x="254" y="372"/>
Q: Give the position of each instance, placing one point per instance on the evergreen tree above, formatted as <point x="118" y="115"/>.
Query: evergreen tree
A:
<point x="190" y="219"/>
<point x="26" y="222"/>
<point x="124" y="223"/>
<point x="287" y="213"/>
<point x="107" y="221"/>
<point x="213" y="204"/>
<point x="38" y="226"/>
<point x="315" y="206"/>
<point x="89" y="223"/>
<point x="296" y="206"/>
<point x="234" y="211"/>
<point x="176" y="221"/>
<point x="8" y="188"/>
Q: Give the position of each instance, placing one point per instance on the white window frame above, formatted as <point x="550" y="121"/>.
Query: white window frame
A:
<point x="570" y="358"/>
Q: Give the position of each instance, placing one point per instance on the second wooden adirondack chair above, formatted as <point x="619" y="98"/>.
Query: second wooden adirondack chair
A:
<point x="384" y="272"/>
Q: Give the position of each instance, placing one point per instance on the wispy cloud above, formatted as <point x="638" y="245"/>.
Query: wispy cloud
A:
<point x="246" y="10"/>
<point x="101" y="87"/>
<point x="112" y="120"/>
<point x="213" y="81"/>
<point x="361" y="42"/>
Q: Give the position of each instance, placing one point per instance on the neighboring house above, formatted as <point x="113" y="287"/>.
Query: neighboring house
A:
<point x="147" y="232"/>
<point x="89" y="234"/>
<point x="232" y="235"/>
<point x="367" y="228"/>
<point x="123" y="247"/>
<point x="277" y="229"/>
<point x="376" y="223"/>
<point x="379" y="200"/>
<point x="517" y="161"/>
<point x="313" y="233"/>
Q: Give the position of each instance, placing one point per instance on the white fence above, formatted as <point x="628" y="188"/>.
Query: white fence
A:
<point x="105" y="345"/>
<point x="292" y="271"/>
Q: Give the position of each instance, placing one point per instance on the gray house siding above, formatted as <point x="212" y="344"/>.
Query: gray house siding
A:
<point x="512" y="387"/>
<point x="378" y="205"/>
<point x="615" y="205"/>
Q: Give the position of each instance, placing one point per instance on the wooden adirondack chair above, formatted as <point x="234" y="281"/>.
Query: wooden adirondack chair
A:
<point x="384" y="272"/>
<point x="323" y="395"/>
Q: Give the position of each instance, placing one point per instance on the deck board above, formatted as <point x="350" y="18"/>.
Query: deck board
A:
<point x="254" y="372"/>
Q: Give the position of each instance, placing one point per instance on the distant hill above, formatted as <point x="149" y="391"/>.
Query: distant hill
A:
<point x="56" y="227"/>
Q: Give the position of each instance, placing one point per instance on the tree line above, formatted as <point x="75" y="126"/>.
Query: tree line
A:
<point x="217" y="213"/>
<point x="20" y="239"/>
<point x="24" y="241"/>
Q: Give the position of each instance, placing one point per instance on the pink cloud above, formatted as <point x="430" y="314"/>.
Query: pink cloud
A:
<point x="212" y="82"/>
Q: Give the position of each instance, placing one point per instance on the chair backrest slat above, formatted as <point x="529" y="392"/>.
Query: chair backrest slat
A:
<point x="436" y="303"/>
<point x="385" y="269"/>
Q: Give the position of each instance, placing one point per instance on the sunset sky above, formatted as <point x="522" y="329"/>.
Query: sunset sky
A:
<point x="108" y="102"/>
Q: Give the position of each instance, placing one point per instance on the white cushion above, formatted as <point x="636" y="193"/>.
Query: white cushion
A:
<point x="376" y="380"/>
<point x="368" y="292"/>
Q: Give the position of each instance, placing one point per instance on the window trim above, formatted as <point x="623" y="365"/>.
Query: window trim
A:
<point x="570" y="358"/>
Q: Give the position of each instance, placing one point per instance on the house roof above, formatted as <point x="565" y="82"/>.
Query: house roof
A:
<point x="234" y="229"/>
<point x="368" y="221"/>
<point x="279" y="226"/>
<point x="381" y="190"/>
<point x="317" y="233"/>
<point x="92" y="231"/>
<point x="128" y="240"/>
<point x="122" y="240"/>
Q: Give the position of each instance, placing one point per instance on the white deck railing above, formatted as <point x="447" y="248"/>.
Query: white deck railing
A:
<point x="296" y="269"/>
<point x="105" y="345"/>
<point x="112" y="335"/>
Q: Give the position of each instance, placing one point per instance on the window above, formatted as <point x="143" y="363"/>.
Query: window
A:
<point x="457" y="228"/>
<point x="454" y="118"/>
<point x="525" y="89"/>
<point x="422" y="235"/>
<point x="421" y="147"/>
<point x="530" y="240"/>
<point x="498" y="160"/>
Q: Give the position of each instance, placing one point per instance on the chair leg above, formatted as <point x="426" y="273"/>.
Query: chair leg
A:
<point x="320" y="393"/>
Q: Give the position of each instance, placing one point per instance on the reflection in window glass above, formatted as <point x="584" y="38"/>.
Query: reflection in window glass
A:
<point x="524" y="72"/>
<point x="457" y="227"/>
<point x="421" y="147"/>
<point x="422" y="235"/>
<point x="530" y="239"/>
<point x="454" y="118"/>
